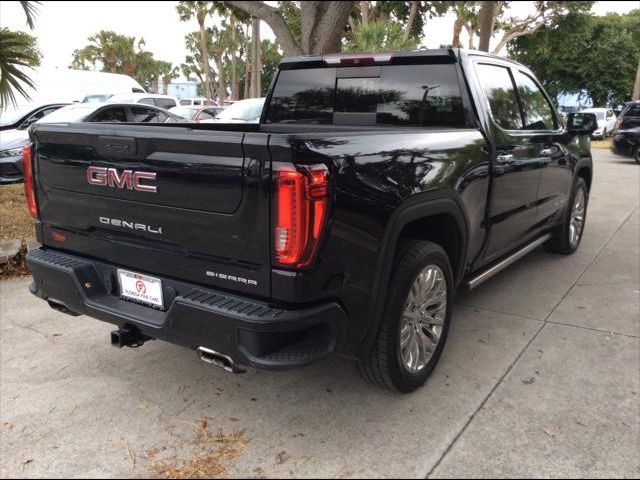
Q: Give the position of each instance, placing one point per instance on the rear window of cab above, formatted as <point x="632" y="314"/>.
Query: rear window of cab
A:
<point x="392" y="95"/>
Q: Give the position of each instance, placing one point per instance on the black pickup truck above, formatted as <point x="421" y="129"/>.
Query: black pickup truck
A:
<point x="373" y="187"/>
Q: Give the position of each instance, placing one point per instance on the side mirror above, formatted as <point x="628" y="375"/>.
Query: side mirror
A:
<point x="582" y="123"/>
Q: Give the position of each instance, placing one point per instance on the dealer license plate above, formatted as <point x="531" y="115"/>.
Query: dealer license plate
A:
<point x="140" y="288"/>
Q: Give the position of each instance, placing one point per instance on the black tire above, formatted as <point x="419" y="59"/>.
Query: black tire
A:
<point x="636" y="154"/>
<point x="561" y="241"/>
<point x="383" y="366"/>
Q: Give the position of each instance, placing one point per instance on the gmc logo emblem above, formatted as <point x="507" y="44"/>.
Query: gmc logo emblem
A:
<point x="109" y="177"/>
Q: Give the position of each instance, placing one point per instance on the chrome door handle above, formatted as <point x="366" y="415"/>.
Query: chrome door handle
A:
<point x="504" y="158"/>
<point x="546" y="151"/>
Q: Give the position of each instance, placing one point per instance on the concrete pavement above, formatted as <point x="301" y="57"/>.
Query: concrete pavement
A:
<point x="540" y="377"/>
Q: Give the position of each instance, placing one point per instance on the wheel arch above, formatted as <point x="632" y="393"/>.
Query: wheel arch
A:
<point x="416" y="218"/>
<point x="584" y="169"/>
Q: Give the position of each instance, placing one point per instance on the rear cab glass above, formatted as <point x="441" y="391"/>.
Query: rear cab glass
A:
<point x="387" y="95"/>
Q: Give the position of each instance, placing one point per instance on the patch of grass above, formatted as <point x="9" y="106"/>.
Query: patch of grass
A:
<point x="606" y="143"/>
<point x="15" y="221"/>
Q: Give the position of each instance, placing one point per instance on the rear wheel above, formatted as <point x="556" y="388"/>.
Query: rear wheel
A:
<point x="568" y="235"/>
<point x="415" y="320"/>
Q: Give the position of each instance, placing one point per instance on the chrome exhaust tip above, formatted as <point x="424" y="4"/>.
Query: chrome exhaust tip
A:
<point x="219" y="360"/>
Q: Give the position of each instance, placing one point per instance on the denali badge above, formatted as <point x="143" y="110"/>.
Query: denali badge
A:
<point x="130" y="225"/>
<point x="109" y="177"/>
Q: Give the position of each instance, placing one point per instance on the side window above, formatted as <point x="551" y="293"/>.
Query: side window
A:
<point x="538" y="114"/>
<point x="165" y="103"/>
<point x="110" y="115"/>
<point x="147" y="101"/>
<point x="204" y="115"/>
<point x="633" y="110"/>
<point x="498" y="88"/>
<point x="147" y="115"/>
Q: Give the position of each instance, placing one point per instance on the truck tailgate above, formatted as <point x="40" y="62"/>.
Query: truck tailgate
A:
<point x="164" y="200"/>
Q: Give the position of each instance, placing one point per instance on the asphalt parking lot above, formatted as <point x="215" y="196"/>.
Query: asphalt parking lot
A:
<point x="540" y="377"/>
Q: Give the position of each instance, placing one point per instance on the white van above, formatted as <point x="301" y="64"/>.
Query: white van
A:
<point x="65" y="85"/>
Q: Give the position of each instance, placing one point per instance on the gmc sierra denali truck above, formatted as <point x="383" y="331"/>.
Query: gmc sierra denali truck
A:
<point x="373" y="187"/>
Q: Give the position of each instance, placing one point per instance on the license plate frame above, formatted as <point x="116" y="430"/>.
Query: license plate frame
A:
<point x="142" y="289"/>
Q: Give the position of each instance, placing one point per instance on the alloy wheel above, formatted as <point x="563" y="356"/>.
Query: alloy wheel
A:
<point x="423" y="317"/>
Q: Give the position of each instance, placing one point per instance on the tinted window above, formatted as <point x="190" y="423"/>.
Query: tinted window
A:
<point x="165" y="103"/>
<point x="498" y="87"/>
<point x="409" y="95"/>
<point x="303" y="96"/>
<point x="538" y="114"/>
<point x="204" y="116"/>
<point x="110" y="115"/>
<point x="185" y="102"/>
<point x="632" y="110"/>
<point x="43" y="113"/>
<point x="147" y="115"/>
<point x="146" y="101"/>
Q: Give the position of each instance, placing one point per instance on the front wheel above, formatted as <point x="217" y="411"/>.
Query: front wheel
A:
<point x="566" y="238"/>
<point x="415" y="320"/>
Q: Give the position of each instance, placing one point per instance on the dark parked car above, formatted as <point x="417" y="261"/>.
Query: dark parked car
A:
<point x="627" y="143"/>
<point x="112" y="113"/>
<point x="196" y="113"/>
<point x="25" y="116"/>
<point x="372" y="187"/>
<point x="629" y="116"/>
<point x="13" y="141"/>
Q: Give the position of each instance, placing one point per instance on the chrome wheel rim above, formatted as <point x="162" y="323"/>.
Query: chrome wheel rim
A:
<point x="423" y="317"/>
<point x="577" y="217"/>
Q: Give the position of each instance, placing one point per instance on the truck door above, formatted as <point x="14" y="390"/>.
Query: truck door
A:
<point x="548" y="141"/>
<point x="516" y="163"/>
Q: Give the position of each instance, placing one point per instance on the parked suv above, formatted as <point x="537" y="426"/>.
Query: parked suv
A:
<point x="629" y="116"/>
<point x="606" y="121"/>
<point x="372" y="188"/>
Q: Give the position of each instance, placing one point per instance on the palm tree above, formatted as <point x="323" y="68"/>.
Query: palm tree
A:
<point x="219" y="50"/>
<point x="167" y="72"/>
<point x="15" y="52"/>
<point x="200" y="9"/>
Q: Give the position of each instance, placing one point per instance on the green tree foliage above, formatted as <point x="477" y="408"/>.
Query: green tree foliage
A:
<point x="193" y="64"/>
<point x="383" y="26"/>
<point x="580" y="52"/>
<point x="111" y="52"/>
<point x="271" y="57"/>
<point x="200" y="10"/>
<point x="17" y="50"/>
<point x="379" y="37"/>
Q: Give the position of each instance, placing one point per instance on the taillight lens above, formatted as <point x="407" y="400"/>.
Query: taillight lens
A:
<point x="619" y="122"/>
<point x="29" y="190"/>
<point x="301" y="201"/>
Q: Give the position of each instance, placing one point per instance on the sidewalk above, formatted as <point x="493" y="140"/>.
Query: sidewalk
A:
<point x="540" y="377"/>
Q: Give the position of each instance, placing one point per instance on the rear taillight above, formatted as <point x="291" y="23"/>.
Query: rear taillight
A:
<point x="301" y="200"/>
<point x="29" y="190"/>
<point x="619" y="123"/>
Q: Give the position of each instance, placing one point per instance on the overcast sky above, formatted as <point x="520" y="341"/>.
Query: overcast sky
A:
<point x="62" y="27"/>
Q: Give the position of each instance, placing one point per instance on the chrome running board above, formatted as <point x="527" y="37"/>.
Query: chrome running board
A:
<point x="498" y="267"/>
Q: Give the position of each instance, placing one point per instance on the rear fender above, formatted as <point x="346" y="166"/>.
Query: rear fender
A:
<point x="420" y="206"/>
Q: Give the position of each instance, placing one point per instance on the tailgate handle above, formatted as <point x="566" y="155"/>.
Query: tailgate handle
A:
<point x="117" y="146"/>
